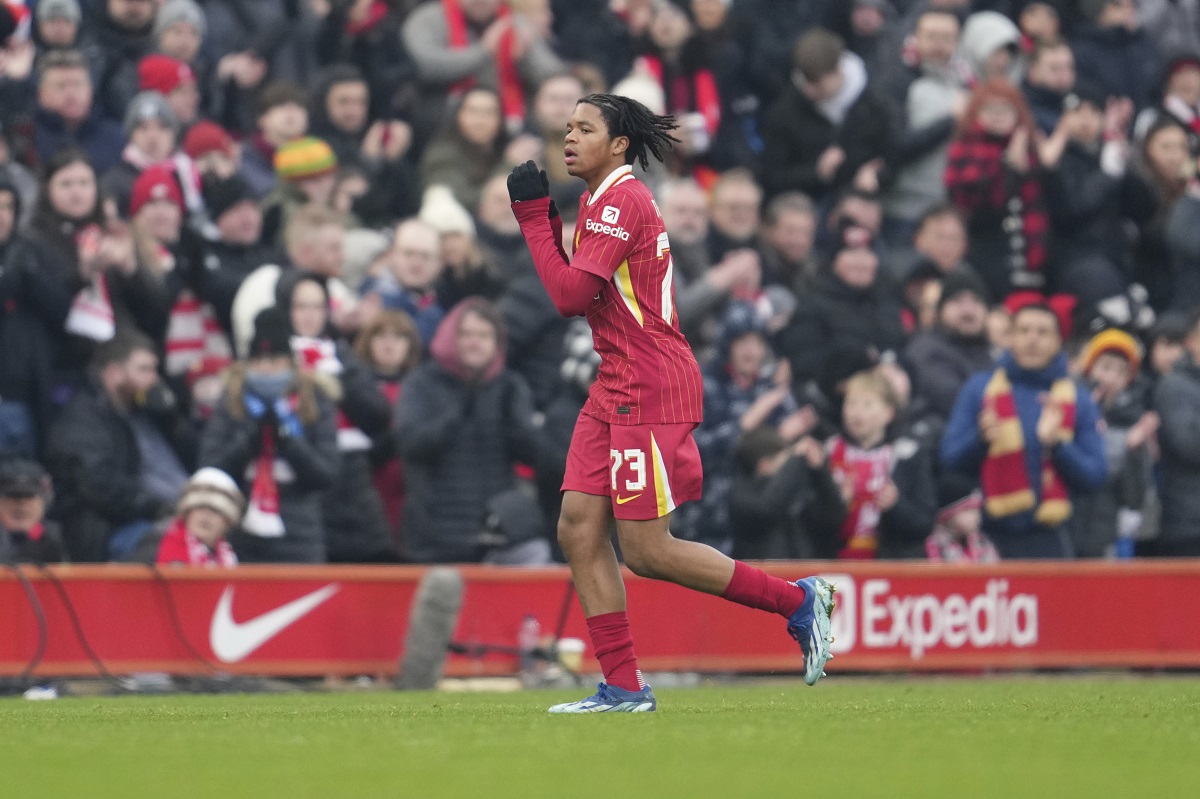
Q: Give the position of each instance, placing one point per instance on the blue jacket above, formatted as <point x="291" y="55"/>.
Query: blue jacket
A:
<point x="1123" y="63"/>
<point x="1080" y="462"/>
<point x="427" y="316"/>
<point x="101" y="139"/>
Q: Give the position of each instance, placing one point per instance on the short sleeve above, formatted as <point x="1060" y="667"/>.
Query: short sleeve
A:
<point x="609" y="237"/>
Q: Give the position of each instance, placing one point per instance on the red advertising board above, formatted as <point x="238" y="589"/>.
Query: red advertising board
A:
<point x="352" y="620"/>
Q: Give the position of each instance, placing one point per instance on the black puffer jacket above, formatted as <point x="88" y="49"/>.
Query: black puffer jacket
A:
<point x="834" y="313"/>
<point x="459" y="441"/>
<point x="941" y="364"/>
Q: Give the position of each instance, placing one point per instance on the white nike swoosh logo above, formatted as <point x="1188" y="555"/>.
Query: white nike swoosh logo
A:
<point x="231" y="641"/>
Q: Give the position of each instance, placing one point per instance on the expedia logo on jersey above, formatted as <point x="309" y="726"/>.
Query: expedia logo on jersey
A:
<point x="608" y="230"/>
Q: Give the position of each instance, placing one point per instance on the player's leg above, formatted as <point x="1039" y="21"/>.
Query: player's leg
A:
<point x="666" y="471"/>
<point x="584" y="535"/>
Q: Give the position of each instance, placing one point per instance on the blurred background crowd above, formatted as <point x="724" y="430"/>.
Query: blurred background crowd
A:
<point x="262" y="296"/>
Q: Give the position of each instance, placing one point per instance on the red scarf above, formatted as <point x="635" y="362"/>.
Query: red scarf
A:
<point x="512" y="91"/>
<point x="870" y="470"/>
<point x="389" y="476"/>
<point x="320" y="355"/>
<point x="262" y="511"/>
<point x="1004" y="479"/>
<point x="91" y="315"/>
<point x="180" y="546"/>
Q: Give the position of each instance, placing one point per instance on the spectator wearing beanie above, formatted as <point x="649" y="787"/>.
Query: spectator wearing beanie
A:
<point x="213" y="151"/>
<point x="179" y="31"/>
<point x="237" y="250"/>
<point x="210" y="508"/>
<point x="307" y="172"/>
<point x="275" y="424"/>
<point x="945" y="357"/>
<point x="151" y="128"/>
<point x="356" y="529"/>
<point x="282" y="118"/>
<point x="176" y="81"/>
<point x="118" y="35"/>
<point x="1107" y="520"/>
<point x="174" y="253"/>
<point x="57" y="24"/>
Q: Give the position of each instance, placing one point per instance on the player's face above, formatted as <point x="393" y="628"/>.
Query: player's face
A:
<point x="588" y="150"/>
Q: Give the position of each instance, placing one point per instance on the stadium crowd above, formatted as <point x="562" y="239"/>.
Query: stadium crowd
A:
<point x="263" y="298"/>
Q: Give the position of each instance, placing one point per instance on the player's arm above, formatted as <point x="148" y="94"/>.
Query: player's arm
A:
<point x="570" y="289"/>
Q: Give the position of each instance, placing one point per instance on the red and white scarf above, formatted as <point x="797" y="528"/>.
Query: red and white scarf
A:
<point x="869" y="470"/>
<point x="180" y="546"/>
<point x="193" y="334"/>
<point x="320" y="355"/>
<point x="266" y="473"/>
<point x="91" y="315"/>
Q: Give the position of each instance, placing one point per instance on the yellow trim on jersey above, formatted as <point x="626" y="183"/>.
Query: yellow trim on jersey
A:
<point x="662" y="486"/>
<point x="624" y="283"/>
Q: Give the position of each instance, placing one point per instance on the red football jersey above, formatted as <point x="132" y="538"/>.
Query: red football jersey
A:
<point x="648" y="374"/>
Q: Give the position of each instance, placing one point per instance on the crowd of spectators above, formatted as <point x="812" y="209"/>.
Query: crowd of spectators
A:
<point x="263" y="298"/>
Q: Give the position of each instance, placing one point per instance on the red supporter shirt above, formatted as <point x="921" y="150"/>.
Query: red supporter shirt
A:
<point x="648" y="374"/>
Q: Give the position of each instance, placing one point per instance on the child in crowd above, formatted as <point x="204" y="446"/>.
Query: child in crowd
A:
<point x="1107" y="521"/>
<point x="887" y="500"/>
<point x="209" y="508"/>
<point x="958" y="530"/>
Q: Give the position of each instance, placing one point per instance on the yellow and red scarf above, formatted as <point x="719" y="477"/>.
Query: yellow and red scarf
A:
<point x="1004" y="481"/>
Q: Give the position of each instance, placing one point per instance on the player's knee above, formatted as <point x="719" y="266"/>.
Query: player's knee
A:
<point x="643" y="561"/>
<point x="574" y="533"/>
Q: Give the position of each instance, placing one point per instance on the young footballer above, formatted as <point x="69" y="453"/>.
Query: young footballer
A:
<point x="632" y="456"/>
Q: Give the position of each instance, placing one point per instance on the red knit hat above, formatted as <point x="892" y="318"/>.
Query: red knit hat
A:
<point x="207" y="137"/>
<point x="161" y="73"/>
<point x="156" y="183"/>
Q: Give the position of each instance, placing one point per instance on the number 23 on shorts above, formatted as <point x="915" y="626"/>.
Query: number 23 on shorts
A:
<point x="629" y="464"/>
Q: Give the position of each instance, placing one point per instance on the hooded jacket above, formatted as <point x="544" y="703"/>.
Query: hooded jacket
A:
<point x="459" y="436"/>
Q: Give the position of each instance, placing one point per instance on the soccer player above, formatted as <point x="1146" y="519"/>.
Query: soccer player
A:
<point x="632" y="456"/>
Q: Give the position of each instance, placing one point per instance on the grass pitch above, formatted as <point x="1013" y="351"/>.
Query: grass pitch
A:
<point x="1096" y="737"/>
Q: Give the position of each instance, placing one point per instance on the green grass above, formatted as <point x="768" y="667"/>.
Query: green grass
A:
<point x="1061" y="738"/>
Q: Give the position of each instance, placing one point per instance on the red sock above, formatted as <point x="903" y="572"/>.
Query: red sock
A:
<point x="754" y="588"/>
<point x="613" y="643"/>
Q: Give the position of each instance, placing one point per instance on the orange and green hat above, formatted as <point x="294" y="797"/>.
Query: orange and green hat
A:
<point x="305" y="158"/>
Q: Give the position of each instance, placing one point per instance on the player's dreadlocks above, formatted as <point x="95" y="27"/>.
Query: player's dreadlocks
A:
<point x="648" y="133"/>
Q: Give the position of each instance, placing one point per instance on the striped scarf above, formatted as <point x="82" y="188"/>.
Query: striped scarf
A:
<point x="869" y="470"/>
<point x="1004" y="479"/>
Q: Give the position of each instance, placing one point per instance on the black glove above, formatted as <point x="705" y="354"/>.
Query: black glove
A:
<point x="524" y="183"/>
<point x="546" y="188"/>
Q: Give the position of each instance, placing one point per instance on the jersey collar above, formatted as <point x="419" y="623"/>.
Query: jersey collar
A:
<point x="613" y="178"/>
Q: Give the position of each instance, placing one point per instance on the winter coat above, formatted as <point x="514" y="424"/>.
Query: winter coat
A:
<point x="450" y="160"/>
<point x="1183" y="242"/>
<point x="995" y="198"/>
<point x="101" y="138"/>
<point x="1177" y="401"/>
<point x="535" y="336"/>
<point x="1123" y="63"/>
<point x="1080" y="462"/>
<point x="96" y="464"/>
<point x="796" y="132"/>
<point x="356" y="528"/>
<point x="224" y="268"/>
<point x="775" y="517"/>
<point x="231" y="442"/>
<point x="835" y="313"/>
<point x="1095" y="523"/>
<point x="375" y="49"/>
<point x="47" y="547"/>
<point x="1045" y="104"/>
<point x="459" y="441"/>
<point x="920" y="153"/>
<point x="941" y="365"/>
<point x="113" y="53"/>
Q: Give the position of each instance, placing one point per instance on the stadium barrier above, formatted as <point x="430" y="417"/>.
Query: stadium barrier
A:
<point x="346" y="620"/>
